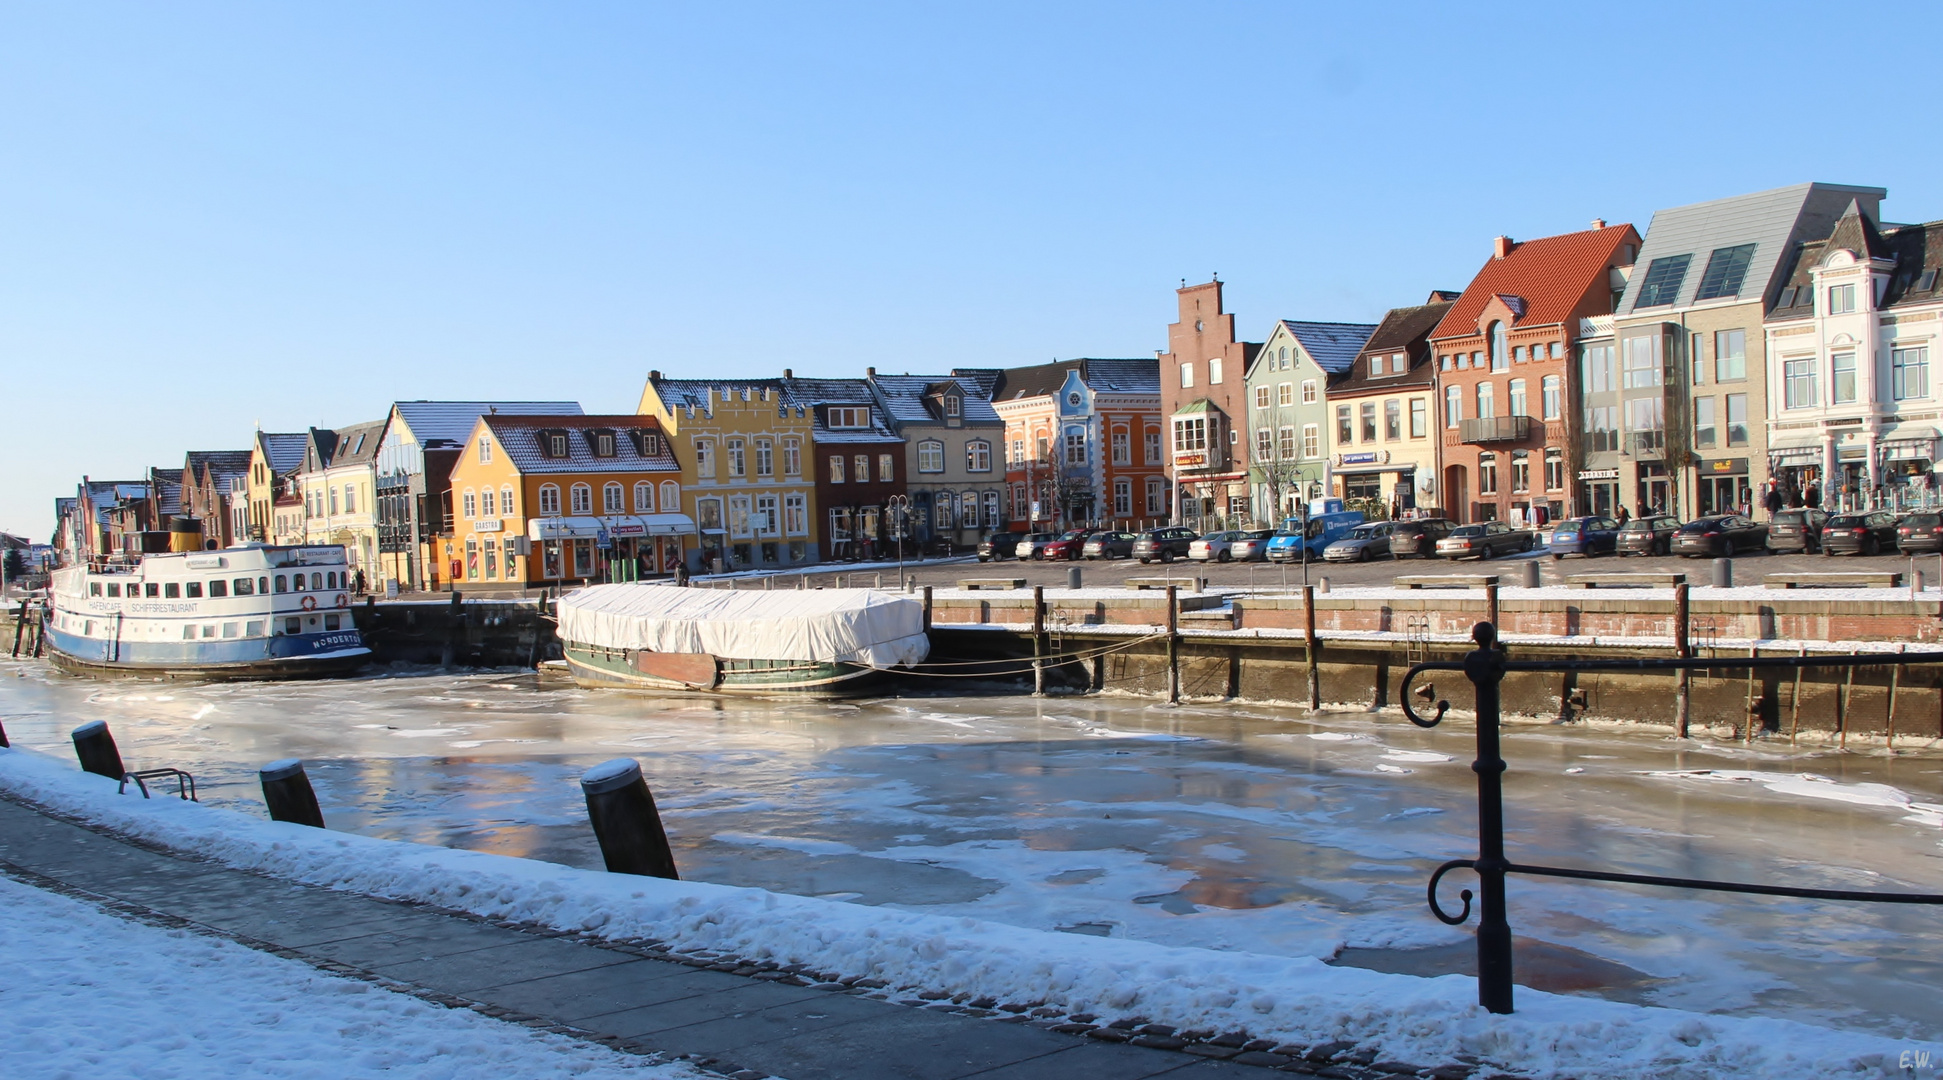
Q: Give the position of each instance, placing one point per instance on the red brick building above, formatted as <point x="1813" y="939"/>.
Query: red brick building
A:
<point x="1507" y="373"/>
<point x="1203" y="401"/>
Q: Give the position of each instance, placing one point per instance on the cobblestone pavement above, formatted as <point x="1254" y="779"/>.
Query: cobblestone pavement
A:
<point x="743" y="1020"/>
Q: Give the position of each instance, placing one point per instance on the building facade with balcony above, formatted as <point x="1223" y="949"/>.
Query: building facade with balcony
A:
<point x="953" y="456"/>
<point x="1285" y="426"/>
<point x="1083" y="443"/>
<point x="745" y="449"/>
<point x="1203" y="398"/>
<point x="554" y="500"/>
<point x="1505" y="373"/>
<point x="1383" y="434"/>
<point x="417" y="449"/>
<point x="1855" y="416"/>
<point x="1686" y="372"/>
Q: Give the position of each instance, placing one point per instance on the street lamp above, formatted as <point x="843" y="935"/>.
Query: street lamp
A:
<point x="899" y="509"/>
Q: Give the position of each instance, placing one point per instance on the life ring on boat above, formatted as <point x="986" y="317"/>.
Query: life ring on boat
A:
<point x="340" y="601"/>
<point x="310" y="603"/>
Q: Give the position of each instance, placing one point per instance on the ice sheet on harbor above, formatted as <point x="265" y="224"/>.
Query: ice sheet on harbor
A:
<point x="1277" y="997"/>
<point x="859" y="626"/>
<point x="89" y="994"/>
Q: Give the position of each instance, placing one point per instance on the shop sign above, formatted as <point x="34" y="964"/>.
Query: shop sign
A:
<point x="628" y="529"/>
<point x="1598" y="474"/>
<point x="1728" y="465"/>
<point x="488" y="525"/>
<point x="1189" y="458"/>
<point x="1851" y="453"/>
<point x="1368" y="457"/>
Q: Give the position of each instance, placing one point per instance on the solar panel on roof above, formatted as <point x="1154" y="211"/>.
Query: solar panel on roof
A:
<point x="1726" y="267"/>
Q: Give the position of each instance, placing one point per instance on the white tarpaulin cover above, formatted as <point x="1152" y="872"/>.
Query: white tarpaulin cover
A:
<point x="855" y="625"/>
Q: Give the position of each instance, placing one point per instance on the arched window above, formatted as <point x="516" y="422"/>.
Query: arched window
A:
<point x="931" y="456"/>
<point x="644" y="498"/>
<point x="670" y="496"/>
<point x="488" y="503"/>
<point x="978" y="455"/>
<point x="1517" y="399"/>
<point x="1486" y="401"/>
<point x="611" y="501"/>
<point x="471" y="503"/>
<point x="1453" y="405"/>
<point x="550" y="500"/>
<point x="583" y="500"/>
<point x="506" y="500"/>
<point x="1500" y="354"/>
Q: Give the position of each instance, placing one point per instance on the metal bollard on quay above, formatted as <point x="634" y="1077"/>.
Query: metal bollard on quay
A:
<point x="625" y="820"/>
<point x="288" y="794"/>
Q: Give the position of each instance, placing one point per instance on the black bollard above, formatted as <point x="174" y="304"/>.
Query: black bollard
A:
<point x="1072" y="577"/>
<point x="625" y="821"/>
<point x="288" y="794"/>
<point x="95" y="748"/>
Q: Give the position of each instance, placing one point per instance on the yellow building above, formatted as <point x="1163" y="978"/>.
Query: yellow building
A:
<point x="744" y="452"/>
<point x="274" y="457"/>
<point x="542" y="500"/>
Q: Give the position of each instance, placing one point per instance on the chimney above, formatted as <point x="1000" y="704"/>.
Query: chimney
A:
<point x="870" y="373"/>
<point x="654" y="376"/>
<point x="1501" y="247"/>
<point x="788" y="374"/>
<point x="1598" y="223"/>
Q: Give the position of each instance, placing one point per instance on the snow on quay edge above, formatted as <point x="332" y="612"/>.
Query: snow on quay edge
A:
<point x="1289" y="999"/>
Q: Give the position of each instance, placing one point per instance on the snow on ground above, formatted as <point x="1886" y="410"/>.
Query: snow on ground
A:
<point x="1297" y="999"/>
<point x="88" y="995"/>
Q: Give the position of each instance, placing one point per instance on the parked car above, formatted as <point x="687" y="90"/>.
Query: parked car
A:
<point x="1859" y="534"/>
<point x="1648" y="535"/>
<point x="1066" y="547"/>
<point x="1109" y="545"/>
<point x="1213" y="547"/>
<point x="1920" y="532"/>
<point x="1796" y="530"/>
<point x="1364" y="542"/>
<point x="1322" y="530"/>
<point x="1165" y="544"/>
<point x="1253" y="545"/>
<point x="1484" y="541"/>
<point x="1419" y="536"/>
<point x="1003" y="545"/>
<point x="1720" y="535"/>
<point x="1587" y="536"/>
<point x="1029" y="547"/>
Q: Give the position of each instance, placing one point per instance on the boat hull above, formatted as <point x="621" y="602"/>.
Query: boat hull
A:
<point x="598" y="668"/>
<point x="285" y="657"/>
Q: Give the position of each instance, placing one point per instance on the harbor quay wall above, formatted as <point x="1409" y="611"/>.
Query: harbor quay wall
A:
<point x="472" y="633"/>
<point x="1822" y="704"/>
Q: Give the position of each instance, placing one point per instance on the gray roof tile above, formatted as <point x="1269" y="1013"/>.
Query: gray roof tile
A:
<point x="449" y="422"/>
<point x="1333" y="346"/>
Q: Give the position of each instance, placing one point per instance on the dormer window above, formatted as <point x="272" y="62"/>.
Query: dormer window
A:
<point x="953" y="407"/>
<point x="1376" y="367"/>
<point x="603" y="443"/>
<point x="553" y="443"/>
<point x="849" y="416"/>
<point x="650" y="444"/>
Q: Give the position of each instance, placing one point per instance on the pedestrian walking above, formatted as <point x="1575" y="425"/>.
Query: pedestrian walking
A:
<point x="1771" y="499"/>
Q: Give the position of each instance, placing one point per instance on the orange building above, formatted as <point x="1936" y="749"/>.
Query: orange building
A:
<point x="544" y="500"/>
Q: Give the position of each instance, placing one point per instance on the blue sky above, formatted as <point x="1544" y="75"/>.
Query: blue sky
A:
<point x="216" y="216"/>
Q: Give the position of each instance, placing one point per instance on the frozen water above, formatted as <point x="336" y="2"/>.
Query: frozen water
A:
<point x="1229" y="827"/>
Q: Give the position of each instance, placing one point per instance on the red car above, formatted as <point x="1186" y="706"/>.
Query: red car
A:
<point x="1068" y="545"/>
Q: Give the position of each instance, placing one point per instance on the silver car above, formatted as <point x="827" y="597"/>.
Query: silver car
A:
<point x="1364" y="542"/>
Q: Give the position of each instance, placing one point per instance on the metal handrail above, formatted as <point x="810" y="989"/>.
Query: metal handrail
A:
<point x="185" y="785"/>
<point x="1486" y="668"/>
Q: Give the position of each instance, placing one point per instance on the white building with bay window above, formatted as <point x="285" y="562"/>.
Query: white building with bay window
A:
<point x="1854" y="416"/>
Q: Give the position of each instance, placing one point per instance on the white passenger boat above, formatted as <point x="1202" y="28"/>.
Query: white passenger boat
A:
<point x="248" y="612"/>
<point x="657" y="637"/>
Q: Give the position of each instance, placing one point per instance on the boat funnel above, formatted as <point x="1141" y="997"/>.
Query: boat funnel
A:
<point x="185" y="534"/>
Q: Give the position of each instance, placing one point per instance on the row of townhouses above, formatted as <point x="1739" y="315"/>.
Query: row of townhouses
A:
<point x="1774" y="342"/>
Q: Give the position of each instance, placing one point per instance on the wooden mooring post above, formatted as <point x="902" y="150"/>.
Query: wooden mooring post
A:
<point x="625" y="820"/>
<point x="1038" y="641"/>
<point x="287" y="793"/>
<point x="455" y="628"/>
<point x="94" y="747"/>
<point x="1682" y="648"/>
<point x="1173" y="645"/>
<point x="927" y="609"/>
<point x="1309" y="646"/>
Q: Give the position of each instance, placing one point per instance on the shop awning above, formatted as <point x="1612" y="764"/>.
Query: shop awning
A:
<point x="663" y="525"/>
<point x="563" y="528"/>
<point x="1908" y="441"/>
<point x="1805" y="446"/>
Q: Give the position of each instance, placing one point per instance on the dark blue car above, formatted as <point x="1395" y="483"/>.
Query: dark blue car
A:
<point x="1587" y="536"/>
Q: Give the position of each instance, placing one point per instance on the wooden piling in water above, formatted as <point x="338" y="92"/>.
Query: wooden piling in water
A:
<point x="927" y="609"/>
<point x="1173" y="645"/>
<point x="1682" y="648"/>
<point x="1309" y="646"/>
<point x="1038" y="641"/>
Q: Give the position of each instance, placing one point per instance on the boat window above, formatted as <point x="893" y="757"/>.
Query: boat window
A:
<point x="283" y="583"/>
<point x="245" y="587"/>
<point x="209" y="630"/>
<point x="218" y="589"/>
<point x="293" y="625"/>
<point x="253" y="628"/>
<point x="151" y="589"/>
<point x="263" y="585"/>
<point x="94" y="588"/>
<point x="316" y="581"/>
<point x="194" y="590"/>
<point x="229" y="629"/>
<point x="188" y="633"/>
<point x="330" y="622"/>
<point x="330" y="580"/>
<point x="297" y="582"/>
<point x="114" y="589"/>
<point x="171" y="590"/>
